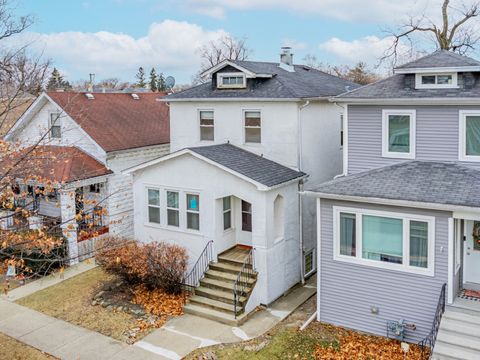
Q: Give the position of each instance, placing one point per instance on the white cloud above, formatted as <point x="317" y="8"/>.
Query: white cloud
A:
<point x="368" y="49"/>
<point x="171" y="46"/>
<point x="349" y="10"/>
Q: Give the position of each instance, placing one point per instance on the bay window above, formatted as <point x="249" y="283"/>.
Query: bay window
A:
<point x="398" y="138"/>
<point x="384" y="239"/>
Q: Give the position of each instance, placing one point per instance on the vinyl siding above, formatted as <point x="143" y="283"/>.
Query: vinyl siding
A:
<point x="348" y="291"/>
<point x="437" y="137"/>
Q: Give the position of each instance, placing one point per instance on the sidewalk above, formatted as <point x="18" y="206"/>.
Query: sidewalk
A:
<point x="64" y="340"/>
<point x="48" y="281"/>
<point x="181" y="335"/>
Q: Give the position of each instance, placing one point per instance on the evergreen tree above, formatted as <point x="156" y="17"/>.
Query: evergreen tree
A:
<point x="161" y="86"/>
<point x="153" y="80"/>
<point x="141" y="78"/>
<point x="56" y="81"/>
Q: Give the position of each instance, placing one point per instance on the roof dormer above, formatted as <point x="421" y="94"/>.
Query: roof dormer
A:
<point x="436" y="80"/>
<point x="231" y="80"/>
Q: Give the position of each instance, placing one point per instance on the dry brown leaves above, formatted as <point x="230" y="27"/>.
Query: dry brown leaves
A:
<point x="157" y="302"/>
<point x="365" y="347"/>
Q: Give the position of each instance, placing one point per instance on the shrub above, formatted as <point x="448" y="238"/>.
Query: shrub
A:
<point x="156" y="265"/>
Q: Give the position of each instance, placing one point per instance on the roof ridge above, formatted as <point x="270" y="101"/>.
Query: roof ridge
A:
<point x="366" y="86"/>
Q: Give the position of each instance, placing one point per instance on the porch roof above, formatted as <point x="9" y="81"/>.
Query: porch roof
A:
<point x="445" y="183"/>
<point x="61" y="164"/>
<point x="246" y="163"/>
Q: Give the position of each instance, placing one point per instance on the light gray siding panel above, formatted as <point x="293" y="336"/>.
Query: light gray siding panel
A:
<point x="348" y="291"/>
<point x="436" y="137"/>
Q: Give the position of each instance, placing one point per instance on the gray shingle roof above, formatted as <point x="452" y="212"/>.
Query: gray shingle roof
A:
<point x="441" y="58"/>
<point x="305" y="82"/>
<point x="255" y="167"/>
<point x="418" y="181"/>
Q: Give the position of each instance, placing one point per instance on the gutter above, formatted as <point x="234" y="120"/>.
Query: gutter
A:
<point x="300" y="187"/>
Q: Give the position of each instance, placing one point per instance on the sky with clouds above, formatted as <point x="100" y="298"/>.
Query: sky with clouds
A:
<point x="112" y="38"/>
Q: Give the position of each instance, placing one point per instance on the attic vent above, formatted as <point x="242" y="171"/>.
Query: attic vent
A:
<point x="135" y="97"/>
<point x="90" y="96"/>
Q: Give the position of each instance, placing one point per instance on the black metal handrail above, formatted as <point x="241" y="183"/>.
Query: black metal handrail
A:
<point x="429" y="341"/>
<point x="192" y="279"/>
<point x="246" y="273"/>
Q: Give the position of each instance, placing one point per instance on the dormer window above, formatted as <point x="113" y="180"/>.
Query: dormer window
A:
<point x="231" y="80"/>
<point x="435" y="81"/>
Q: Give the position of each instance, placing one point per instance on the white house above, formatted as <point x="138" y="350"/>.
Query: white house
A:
<point x="242" y="146"/>
<point x="85" y="141"/>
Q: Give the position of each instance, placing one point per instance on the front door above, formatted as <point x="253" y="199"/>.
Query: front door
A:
<point x="471" y="264"/>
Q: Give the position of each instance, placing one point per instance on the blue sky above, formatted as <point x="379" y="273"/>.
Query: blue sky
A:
<point x="114" y="37"/>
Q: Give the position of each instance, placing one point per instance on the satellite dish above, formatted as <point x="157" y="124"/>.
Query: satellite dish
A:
<point x="170" y="82"/>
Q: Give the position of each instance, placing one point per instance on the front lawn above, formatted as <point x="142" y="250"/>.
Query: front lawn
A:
<point x="317" y="342"/>
<point x="71" y="300"/>
<point x="15" y="350"/>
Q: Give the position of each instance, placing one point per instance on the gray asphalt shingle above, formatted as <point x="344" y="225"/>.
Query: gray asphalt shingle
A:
<point x="255" y="167"/>
<point x="440" y="58"/>
<point x="305" y="82"/>
<point x="418" y="181"/>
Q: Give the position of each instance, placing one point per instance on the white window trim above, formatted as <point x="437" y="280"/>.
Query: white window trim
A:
<point x="462" y="142"/>
<point x="413" y="126"/>
<point x="200" y="125"/>
<point x="314" y="265"/>
<point x="231" y="215"/>
<point x="220" y="77"/>
<point x="419" y="85"/>
<point x="404" y="267"/>
<point x="59" y="124"/>
<point x="244" y="112"/>
<point x="185" y="197"/>
<point x="159" y="206"/>
<point x="171" y="208"/>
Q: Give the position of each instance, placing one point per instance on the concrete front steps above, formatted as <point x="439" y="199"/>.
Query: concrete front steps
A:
<point x="214" y="298"/>
<point x="458" y="336"/>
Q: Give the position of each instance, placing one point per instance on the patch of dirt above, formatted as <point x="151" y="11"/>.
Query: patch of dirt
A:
<point x="15" y="350"/>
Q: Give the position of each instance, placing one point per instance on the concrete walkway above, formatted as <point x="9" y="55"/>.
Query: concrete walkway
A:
<point x="64" y="340"/>
<point x="52" y="279"/>
<point x="183" y="334"/>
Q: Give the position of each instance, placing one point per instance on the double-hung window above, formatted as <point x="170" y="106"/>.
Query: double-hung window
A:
<point x="246" y="216"/>
<point x="469" y="131"/>
<point x="398" y="138"/>
<point x="227" y="213"/>
<point x="193" y="212"/>
<point x="207" y="128"/>
<point x="386" y="240"/>
<point x="173" y="212"/>
<point x="55" y="126"/>
<point x="253" y="126"/>
<point x="154" y="206"/>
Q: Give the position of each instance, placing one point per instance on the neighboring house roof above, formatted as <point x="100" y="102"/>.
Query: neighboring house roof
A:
<point x="413" y="181"/>
<point x="12" y="109"/>
<point x="250" y="166"/>
<point x="440" y="59"/>
<point x="304" y="82"/>
<point x="253" y="166"/>
<point x="116" y="121"/>
<point x="60" y="164"/>
<point x="402" y="85"/>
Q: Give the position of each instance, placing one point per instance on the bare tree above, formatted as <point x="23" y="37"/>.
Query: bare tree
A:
<point x="225" y="48"/>
<point x="455" y="32"/>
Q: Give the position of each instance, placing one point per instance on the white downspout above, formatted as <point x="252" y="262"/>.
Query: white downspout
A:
<point x="345" y="141"/>
<point x="300" y="186"/>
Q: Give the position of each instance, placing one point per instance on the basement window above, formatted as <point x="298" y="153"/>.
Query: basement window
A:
<point x="309" y="262"/>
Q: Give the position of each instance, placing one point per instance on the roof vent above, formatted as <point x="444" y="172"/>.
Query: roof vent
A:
<point x="90" y="96"/>
<point x="286" y="59"/>
<point x="135" y="97"/>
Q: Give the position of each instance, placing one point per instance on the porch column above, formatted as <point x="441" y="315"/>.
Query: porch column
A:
<point x="69" y="223"/>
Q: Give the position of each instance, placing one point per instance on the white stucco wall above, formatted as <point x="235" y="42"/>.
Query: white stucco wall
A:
<point x="279" y="129"/>
<point x="276" y="259"/>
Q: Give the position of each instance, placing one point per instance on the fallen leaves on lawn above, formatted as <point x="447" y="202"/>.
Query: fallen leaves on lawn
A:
<point x="157" y="302"/>
<point x="353" y="345"/>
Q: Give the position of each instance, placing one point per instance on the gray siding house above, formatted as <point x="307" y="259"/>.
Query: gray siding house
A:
<point x="404" y="217"/>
